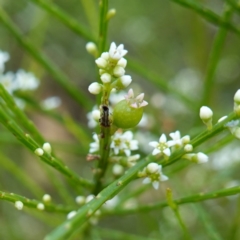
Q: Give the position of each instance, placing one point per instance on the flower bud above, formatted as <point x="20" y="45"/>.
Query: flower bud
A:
<point x="152" y="168"/>
<point x="96" y="114"/>
<point x="47" y="147"/>
<point x="237" y="97"/>
<point x="188" y="148"/>
<point x="39" y="152"/>
<point x="206" y="116"/>
<point x="91" y="48"/>
<point x="111" y="13"/>
<point x="106" y="78"/>
<point x="101" y="62"/>
<point x="122" y="63"/>
<point x="201" y="157"/>
<point x="95" y="88"/>
<point x="118" y="71"/>
<point x="19" y="205"/>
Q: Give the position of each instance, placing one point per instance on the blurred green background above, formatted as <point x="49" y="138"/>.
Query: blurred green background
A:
<point x="170" y="45"/>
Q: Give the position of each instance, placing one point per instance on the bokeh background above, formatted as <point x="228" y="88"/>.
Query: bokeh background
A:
<point x="168" y="45"/>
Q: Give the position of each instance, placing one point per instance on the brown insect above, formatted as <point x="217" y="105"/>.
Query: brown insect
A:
<point x="104" y="120"/>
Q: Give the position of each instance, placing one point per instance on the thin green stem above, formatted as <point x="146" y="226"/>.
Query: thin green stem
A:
<point x="175" y="210"/>
<point x="31" y="203"/>
<point x="191" y="199"/>
<point x="63" y="17"/>
<point x="103" y="25"/>
<point x="28" y="141"/>
<point x="214" y="58"/>
<point x="207" y="14"/>
<point x="45" y="62"/>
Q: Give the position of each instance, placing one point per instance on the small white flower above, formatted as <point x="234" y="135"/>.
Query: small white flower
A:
<point x="40" y="206"/>
<point x="89" y="198"/>
<point x="80" y="200"/>
<point x="71" y="214"/>
<point x="19" y="205"/>
<point x="106" y="78"/>
<point x="94" y="146"/>
<point x="47" y="147"/>
<point x="122" y="62"/>
<point x="188" y="148"/>
<point x="115" y="52"/>
<point x="118" y="71"/>
<point x="154" y="174"/>
<point x="47" y="198"/>
<point x="95" y="88"/>
<point x="205" y="113"/>
<point x="176" y="137"/>
<point x="51" y="103"/>
<point x="137" y="102"/>
<point x="131" y="161"/>
<point x="101" y="63"/>
<point x="237" y="97"/>
<point x="118" y="170"/>
<point x="124" y="143"/>
<point x="91" y="48"/>
<point x="39" y="152"/>
<point x="125" y="80"/>
<point x="162" y="146"/>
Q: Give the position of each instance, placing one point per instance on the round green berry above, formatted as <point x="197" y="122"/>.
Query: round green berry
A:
<point x="125" y="116"/>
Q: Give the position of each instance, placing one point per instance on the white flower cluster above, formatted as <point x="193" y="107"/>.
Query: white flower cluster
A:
<point x="165" y="148"/>
<point x="111" y="69"/>
<point x="153" y="174"/>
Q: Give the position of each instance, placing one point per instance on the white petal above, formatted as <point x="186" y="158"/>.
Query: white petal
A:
<point x="167" y="152"/>
<point x="163" y="178"/>
<point x="163" y="138"/>
<point x="154" y="144"/>
<point x="146" y="180"/>
<point x="155" y="184"/>
<point x="156" y="151"/>
<point x="140" y="97"/>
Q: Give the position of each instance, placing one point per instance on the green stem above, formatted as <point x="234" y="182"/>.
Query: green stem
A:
<point x="191" y="199"/>
<point x="45" y="62"/>
<point x="103" y="25"/>
<point x="31" y="203"/>
<point x="214" y="58"/>
<point x="175" y="210"/>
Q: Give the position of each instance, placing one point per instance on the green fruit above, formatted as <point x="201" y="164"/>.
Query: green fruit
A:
<point x="125" y="116"/>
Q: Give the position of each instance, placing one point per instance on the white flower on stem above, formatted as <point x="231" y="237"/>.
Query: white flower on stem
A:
<point x="237" y="97"/>
<point x="80" y="200"/>
<point x="94" y="146"/>
<point x="101" y="62"/>
<point x="196" y="157"/>
<point x="4" y="57"/>
<point x="115" y="52"/>
<point x="118" y="71"/>
<point x="91" y="48"/>
<point x="47" y="147"/>
<point x="71" y="214"/>
<point x="39" y="152"/>
<point x="95" y="88"/>
<point x="106" y="78"/>
<point x="19" y="205"/>
<point x="47" y="198"/>
<point x="122" y="63"/>
<point x="206" y="115"/>
<point x="176" y="137"/>
<point x="162" y="146"/>
<point x="154" y="175"/>
<point x="136" y="102"/>
<point x="117" y="170"/>
<point x="124" y="81"/>
<point x="124" y="143"/>
<point x="40" y="206"/>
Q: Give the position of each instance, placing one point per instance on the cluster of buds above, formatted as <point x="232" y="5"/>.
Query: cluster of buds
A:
<point x="46" y="148"/>
<point x="111" y="66"/>
<point x="153" y="174"/>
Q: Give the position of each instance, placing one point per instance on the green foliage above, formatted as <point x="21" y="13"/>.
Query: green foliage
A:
<point x="184" y="54"/>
